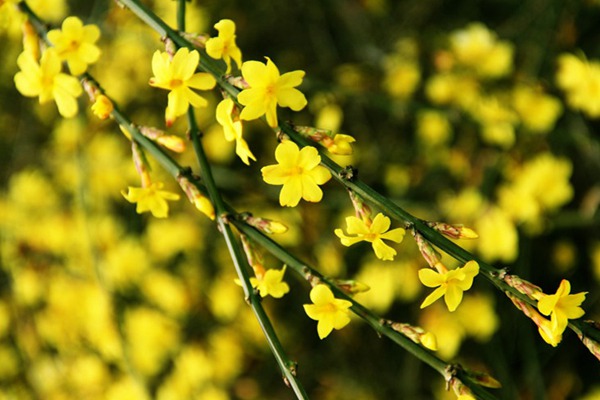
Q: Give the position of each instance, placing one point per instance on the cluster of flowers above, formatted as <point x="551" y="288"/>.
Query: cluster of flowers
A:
<point x="298" y="170"/>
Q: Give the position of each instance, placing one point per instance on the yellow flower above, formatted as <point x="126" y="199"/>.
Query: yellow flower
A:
<point x="46" y="81"/>
<point x="433" y="127"/>
<point x="331" y="313"/>
<point x="75" y="44"/>
<point x="562" y="306"/>
<point x="268" y="89"/>
<point x="151" y="198"/>
<point x="450" y="284"/>
<point x="537" y="110"/>
<point x="224" y="45"/>
<point x="232" y="128"/>
<point x="372" y="231"/>
<point x="580" y="79"/>
<point x="178" y="76"/>
<point x="271" y="283"/>
<point x="102" y="107"/>
<point x="478" y="48"/>
<point x="298" y="171"/>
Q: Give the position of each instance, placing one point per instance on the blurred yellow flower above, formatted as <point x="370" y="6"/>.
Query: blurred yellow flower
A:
<point x="331" y="313"/>
<point x="75" y="44"/>
<point x="433" y="127"/>
<point x="562" y="306"/>
<point x="498" y="236"/>
<point x="298" y="171"/>
<point x="267" y="89"/>
<point x="580" y="79"/>
<point x="151" y="337"/>
<point x="178" y="75"/>
<point x="271" y="283"/>
<point x="224" y="45"/>
<point x="401" y="77"/>
<point x="46" y="81"/>
<point x="538" y="111"/>
<point x="497" y="121"/>
<point x="151" y="198"/>
<point x="372" y="231"/>
<point x="540" y="185"/>
<point x="478" y="48"/>
<point x="450" y="284"/>
<point x="228" y="118"/>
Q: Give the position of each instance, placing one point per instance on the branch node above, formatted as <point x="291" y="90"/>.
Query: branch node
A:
<point x="349" y="173"/>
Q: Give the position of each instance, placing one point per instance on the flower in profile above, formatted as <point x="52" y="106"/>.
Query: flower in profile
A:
<point x="151" y="198"/>
<point x="562" y="306"/>
<point x="224" y="46"/>
<point x="271" y="283"/>
<point x="178" y="76"/>
<point x="450" y="284"/>
<point x="267" y="89"/>
<point x="102" y="107"/>
<point x="228" y="118"/>
<point x="331" y="313"/>
<point x="75" y="44"/>
<point x="372" y="231"/>
<point x="298" y="171"/>
<point x="45" y="79"/>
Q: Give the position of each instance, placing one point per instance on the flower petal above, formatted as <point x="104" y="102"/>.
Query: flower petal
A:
<point x="380" y="224"/>
<point x="435" y="295"/>
<point x="430" y="278"/>
<point x="291" y="192"/>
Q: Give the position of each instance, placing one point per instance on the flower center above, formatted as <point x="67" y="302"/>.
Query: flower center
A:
<point x="371" y="236"/>
<point x="175" y="83"/>
<point x="294" y="171"/>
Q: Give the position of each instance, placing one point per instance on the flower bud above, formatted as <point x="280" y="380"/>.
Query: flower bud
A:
<point x="263" y="224"/>
<point x="201" y="202"/>
<point x="351" y="287"/>
<point x="102" y="107"/>
<point x="453" y="231"/>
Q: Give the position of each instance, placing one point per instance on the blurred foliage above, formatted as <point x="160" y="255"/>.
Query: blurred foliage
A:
<point x="459" y="116"/>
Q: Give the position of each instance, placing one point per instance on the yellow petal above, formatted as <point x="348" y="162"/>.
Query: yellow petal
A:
<point x="453" y="297"/>
<point x="291" y="192"/>
<point x="430" y="278"/>
<point x="254" y="73"/>
<point x="435" y="295"/>
<point x="292" y="98"/>
<point x="383" y="251"/>
<point x="310" y="190"/>
<point x="321" y="294"/>
<point x="380" y="224"/>
<point x="320" y="174"/>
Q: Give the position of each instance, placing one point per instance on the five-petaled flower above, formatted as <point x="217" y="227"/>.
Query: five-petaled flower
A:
<point x="47" y="81"/>
<point x="450" y="284"/>
<point x="271" y="283"/>
<point x="562" y="306"/>
<point x="75" y="44"/>
<point x="298" y="171"/>
<point x="267" y="89"/>
<point x="178" y="76"/>
<point x="331" y="313"/>
<point x="228" y="118"/>
<point x="151" y="198"/>
<point x="372" y="231"/>
<point x="224" y="46"/>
